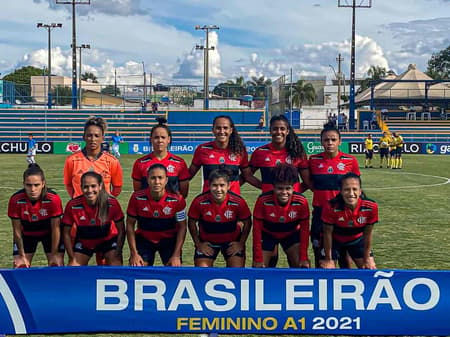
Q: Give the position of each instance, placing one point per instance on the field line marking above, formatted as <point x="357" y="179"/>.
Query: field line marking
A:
<point x="447" y="181"/>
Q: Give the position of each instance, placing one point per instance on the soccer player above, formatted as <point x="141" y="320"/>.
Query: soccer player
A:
<point x="384" y="149"/>
<point x="99" y="221"/>
<point x="392" y="151"/>
<point x="177" y="171"/>
<point x="326" y="169"/>
<point x="348" y="221"/>
<point x="368" y="151"/>
<point x="226" y="150"/>
<point x="219" y="221"/>
<point x="32" y="149"/>
<point x="285" y="147"/>
<point x="398" y="141"/>
<point x="281" y="217"/>
<point x="161" y="219"/>
<point x="116" y="140"/>
<point x="35" y="213"/>
<point x="91" y="158"/>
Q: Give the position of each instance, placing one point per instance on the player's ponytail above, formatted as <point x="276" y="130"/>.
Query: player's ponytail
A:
<point x="35" y="170"/>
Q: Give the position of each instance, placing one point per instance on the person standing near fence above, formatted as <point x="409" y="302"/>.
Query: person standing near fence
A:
<point x="32" y="149"/>
<point x="35" y="212"/>
<point x="116" y="139"/>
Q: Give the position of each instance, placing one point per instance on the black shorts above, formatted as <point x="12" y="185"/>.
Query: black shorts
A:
<point x="218" y="247"/>
<point x="384" y="152"/>
<point x="103" y="247"/>
<point x="355" y="249"/>
<point x="392" y="152"/>
<point x="316" y="226"/>
<point x="398" y="151"/>
<point x="369" y="154"/>
<point x="147" y="249"/>
<point x="269" y="241"/>
<point x="30" y="243"/>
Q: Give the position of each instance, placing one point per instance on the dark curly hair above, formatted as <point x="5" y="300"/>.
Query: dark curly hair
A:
<point x="294" y="145"/>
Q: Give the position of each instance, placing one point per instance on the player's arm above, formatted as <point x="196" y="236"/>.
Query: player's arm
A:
<point x="202" y="247"/>
<point x="56" y="258"/>
<point x="175" y="259"/>
<point x="307" y="183"/>
<point x="368" y="262"/>
<point x="120" y="225"/>
<point x="68" y="241"/>
<point x="135" y="258"/>
<point x="68" y="173"/>
<point x="116" y="179"/>
<point x="304" y="243"/>
<point x="328" y="262"/>
<point x="193" y="169"/>
<point x="248" y="177"/>
<point x="258" y="261"/>
<point x="184" y="188"/>
<point x="17" y="236"/>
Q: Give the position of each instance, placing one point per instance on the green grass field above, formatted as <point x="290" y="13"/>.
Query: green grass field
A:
<point x="413" y="232"/>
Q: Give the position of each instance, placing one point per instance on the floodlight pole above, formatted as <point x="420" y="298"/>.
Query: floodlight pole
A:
<point x="83" y="46"/>
<point x="206" y="50"/>
<point x="74" y="45"/>
<point x="49" y="28"/>
<point x="353" y="5"/>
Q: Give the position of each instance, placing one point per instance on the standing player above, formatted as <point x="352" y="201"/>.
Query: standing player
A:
<point x="398" y="141"/>
<point x="91" y="158"/>
<point x="99" y="224"/>
<point x="161" y="218"/>
<point x="226" y="150"/>
<point x="348" y="223"/>
<point x="32" y="149"/>
<point x="384" y="149"/>
<point x="116" y="139"/>
<point x="35" y="213"/>
<point x="219" y="221"/>
<point x="285" y="147"/>
<point x="177" y="172"/>
<point x="368" y="151"/>
<point x="392" y="151"/>
<point x="326" y="170"/>
<point x="281" y="217"/>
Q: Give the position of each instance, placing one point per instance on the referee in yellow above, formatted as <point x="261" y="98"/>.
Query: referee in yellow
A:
<point x="398" y="141"/>
<point x="384" y="149"/>
<point x="368" y="150"/>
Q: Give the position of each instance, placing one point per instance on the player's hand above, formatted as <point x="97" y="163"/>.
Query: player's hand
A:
<point x="305" y="264"/>
<point x="205" y="248"/>
<point x="327" y="264"/>
<point x="369" y="263"/>
<point x="234" y="248"/>
<point x="56" y="260"/>
<point x="174" y="261"/>
<point x="136" y="260"/>
<point x="258" y="265"/>
<point x="21" y="262"/>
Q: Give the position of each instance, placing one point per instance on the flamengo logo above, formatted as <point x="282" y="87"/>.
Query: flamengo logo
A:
<point x="22" y="147"/>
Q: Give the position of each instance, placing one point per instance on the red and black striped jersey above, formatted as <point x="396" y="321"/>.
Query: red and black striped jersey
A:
<point x="156" y="219"/>
<point x="218" y="223"/>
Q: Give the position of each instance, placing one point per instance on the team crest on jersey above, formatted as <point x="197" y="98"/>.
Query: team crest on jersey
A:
<point x="232" y="157"/>
<point x="228" y="214"/>
<point x="167" y="210"/>
<point x="288" y="160"/>
<point x="156" y="214"/>
<point x="341" y="166"/>
<point x="34" y="217"/>
<point x="222" y="160"/>
<point x="282" y="219"/>
<point x="218" y="218"/>
<point x="170" y="168"/>
<point x="292" y="214"/>
<point x="362" y="220"/>
<point x="330" y="169"/>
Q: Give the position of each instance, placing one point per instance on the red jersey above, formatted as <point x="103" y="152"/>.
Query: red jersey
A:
<point x="265" y="158"/>
<point x="105" y="164"/>
<point x="176" y="169"/>
<point x="348" y="225"/>
<point x="90" y="230"/>
<point x="35" y="217"/>
<point x="210" y="157"/>
<point x="280" y="221"/>
<point x="219" y="223"/>
<point x="326" y="172"/>
<point x="156" y="219"/>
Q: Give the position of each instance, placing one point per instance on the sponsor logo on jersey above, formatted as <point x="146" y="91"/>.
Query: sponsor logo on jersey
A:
<point x="267" y="159"/>
<point x="208" y="213"/>
<point x="82" y="218"/>
<point x="145" y="209"/>
<point x="211" y="156"/>
<point x="341" y="218"/>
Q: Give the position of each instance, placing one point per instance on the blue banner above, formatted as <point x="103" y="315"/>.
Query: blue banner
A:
<point x="436" y="148"/>
<point x="224" y="300"/>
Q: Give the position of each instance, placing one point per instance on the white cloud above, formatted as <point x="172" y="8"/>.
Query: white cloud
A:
<point x="109" y="7"/>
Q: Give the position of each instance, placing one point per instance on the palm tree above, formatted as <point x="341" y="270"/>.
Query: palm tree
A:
<point x="374" y="73"/>
<point x="230" y="88"/>
<point x="303" y="93"/>
<point x="89" y="76"/>
<point x="257" y="86"/>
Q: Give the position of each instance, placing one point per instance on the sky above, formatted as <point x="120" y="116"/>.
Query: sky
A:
<point x="255" y="37"/>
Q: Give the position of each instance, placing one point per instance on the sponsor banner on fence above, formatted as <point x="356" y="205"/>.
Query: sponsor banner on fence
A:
<point x="410" y="148"/>
<point x="22" y="147"/>
<point x="222" y="300"/>
<point x="189" y="147"/>
<point x="436" y="148"/>
<point x="71" y="147"/>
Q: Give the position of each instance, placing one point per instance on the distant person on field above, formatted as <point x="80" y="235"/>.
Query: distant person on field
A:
<point x="99" y="223"/>
<point x="348" y="221"/>
<point x="219" y="222"/>
<point x="32" y="149"/>
<point x="116" y="140"/>
<point x="35" y="212"/>
<point x="384" y="149"/>
<point x="161" y="222"/>
<point x="154" y="107"/>
<point x="398" y="141"/>
<point x="281" y="216"/>
<point x="368" y="151"/>
<point x="392" y="151"/>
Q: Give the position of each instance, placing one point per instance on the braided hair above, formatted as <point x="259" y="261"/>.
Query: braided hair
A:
<point x="235" y="144"/>
<point x="293" y="145"/>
